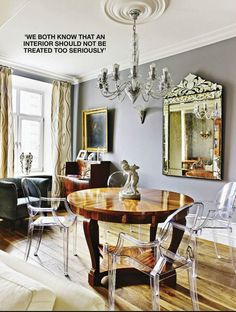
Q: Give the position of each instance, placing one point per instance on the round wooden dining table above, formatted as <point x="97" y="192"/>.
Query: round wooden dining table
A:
<point x="105" y="204"/>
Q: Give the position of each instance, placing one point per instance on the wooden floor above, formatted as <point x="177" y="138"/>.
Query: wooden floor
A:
<point x="216" y="280"/>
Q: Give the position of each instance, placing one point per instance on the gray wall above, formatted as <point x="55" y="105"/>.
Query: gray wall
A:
<point x="142" y="143"/>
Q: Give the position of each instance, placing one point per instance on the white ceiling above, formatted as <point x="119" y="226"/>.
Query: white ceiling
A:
<point x="186" y="24"/>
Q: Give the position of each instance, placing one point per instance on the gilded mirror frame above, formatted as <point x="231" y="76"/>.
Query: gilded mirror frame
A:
<point x="190" y="94"/>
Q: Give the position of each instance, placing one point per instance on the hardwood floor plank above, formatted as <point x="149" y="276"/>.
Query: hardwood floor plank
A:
<point x="216" y="280"/>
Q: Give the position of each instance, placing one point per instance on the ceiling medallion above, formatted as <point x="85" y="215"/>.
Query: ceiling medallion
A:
<point x="119" y="10"/>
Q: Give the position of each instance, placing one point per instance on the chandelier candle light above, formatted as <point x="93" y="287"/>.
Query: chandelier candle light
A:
<point x="204" y="111"/>
<point x="155" y="87"/>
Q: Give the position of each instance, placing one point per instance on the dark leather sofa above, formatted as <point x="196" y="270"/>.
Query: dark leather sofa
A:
<point x="12" y="201"/>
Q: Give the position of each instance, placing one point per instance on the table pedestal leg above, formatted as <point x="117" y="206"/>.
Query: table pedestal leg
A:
<point x="91" y="232"/>
<point x="177" y="236"/>
<point x="153" y="231"/>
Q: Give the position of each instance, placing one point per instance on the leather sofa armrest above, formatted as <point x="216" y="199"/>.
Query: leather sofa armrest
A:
<point x="8" y="200"/>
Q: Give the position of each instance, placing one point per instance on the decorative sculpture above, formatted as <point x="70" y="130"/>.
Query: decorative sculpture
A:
<point x="26" y="162"/>
<point x="130" y="188"/>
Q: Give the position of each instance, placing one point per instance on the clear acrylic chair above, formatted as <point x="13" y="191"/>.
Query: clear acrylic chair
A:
<point x="220" y="217"/>
<point x="118" y="179"/>
<point x="155" y="259"/>
<point x="43" y="213"/>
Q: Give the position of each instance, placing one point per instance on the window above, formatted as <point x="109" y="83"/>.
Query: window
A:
<point x="31" y="117"/>
<point x="28" y="125"/>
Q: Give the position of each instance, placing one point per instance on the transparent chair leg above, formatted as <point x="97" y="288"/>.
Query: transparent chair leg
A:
<point x="111" y="282"/>
<point x="155" y="289"/>
<point x="75" y="239"/>
<point x="65" y="249"/>
<point x="215" y="243"/>
<point x="29" y="242"/>
<point x="195" y="248"/>
<point x="106" y="231"/>
<point x="105" y="248"/>
<point x="40" y="234"/>
<point x="231" y="251"/>
<point x="193" y="286"/>
<point x="106" y="234"/>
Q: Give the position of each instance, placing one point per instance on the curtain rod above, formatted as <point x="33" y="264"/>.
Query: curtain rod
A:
<point x="39" y="72"/>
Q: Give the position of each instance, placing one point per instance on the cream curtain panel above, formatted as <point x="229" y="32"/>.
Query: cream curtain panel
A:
<point x="6" y="124"/>
<point x="61" y="130"/>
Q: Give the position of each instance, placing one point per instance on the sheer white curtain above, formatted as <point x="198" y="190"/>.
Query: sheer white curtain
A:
<point x="6" y="124"/>
<point x="61" y="131"/>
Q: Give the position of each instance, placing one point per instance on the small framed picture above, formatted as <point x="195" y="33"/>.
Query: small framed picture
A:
<point x="92" y="156"/>
<point x="82" y="154"/>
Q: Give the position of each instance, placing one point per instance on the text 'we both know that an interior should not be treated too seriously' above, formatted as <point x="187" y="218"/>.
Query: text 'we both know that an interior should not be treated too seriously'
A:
<point x="64" y="43"/>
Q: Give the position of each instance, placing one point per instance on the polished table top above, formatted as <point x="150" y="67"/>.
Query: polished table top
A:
<point x="105" y="204"/>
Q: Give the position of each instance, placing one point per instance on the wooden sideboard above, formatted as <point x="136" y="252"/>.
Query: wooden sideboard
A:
<point x="84" y="174"/>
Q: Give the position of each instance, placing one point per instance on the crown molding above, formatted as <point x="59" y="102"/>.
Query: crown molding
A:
<point x="11" y="17"/>
<point x="37" y="71"/>
<point x="180" y="47"/>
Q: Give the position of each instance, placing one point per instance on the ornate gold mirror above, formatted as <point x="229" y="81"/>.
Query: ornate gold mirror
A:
<point x="192" y="136"/>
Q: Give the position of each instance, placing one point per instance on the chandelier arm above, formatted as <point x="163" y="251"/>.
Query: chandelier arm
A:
<point x="111" y="95"/>
<point x="123" y="86"/>
<point x="145" y="97"/>
<point x="116" y="95"/>
<point x="156" y="96"/>
<point x="124" y="96"/>
<point x="148" y="86"/>
<point x="106" y="92"/>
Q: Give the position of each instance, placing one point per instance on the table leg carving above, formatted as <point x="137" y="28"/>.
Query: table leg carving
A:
<point x="91" y="232"/>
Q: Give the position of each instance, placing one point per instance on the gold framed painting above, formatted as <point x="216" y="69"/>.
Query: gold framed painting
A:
<point x="95" y="129"/>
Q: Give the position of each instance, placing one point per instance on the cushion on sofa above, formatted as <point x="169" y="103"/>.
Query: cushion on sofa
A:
<point x="22" y="293"/>
<point x="69" y="296"/>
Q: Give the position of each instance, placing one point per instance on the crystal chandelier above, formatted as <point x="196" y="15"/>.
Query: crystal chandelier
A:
<point x="155" y="87"/>
<point x="204" y="112"/>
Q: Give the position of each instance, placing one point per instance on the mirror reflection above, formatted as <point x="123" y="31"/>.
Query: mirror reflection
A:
<point x="192" y="129"/>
